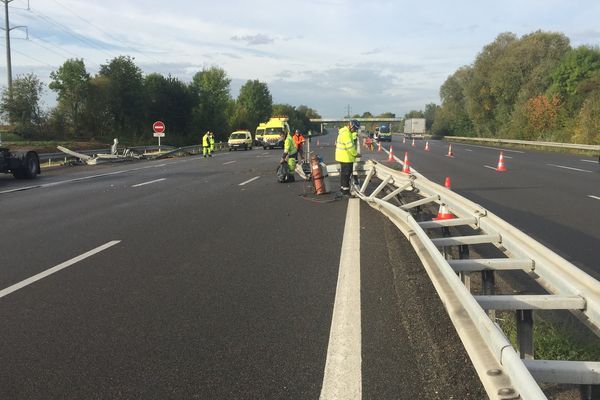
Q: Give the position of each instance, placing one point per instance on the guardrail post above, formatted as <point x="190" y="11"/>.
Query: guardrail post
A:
<point x="488" y="287"/>
<point x="446" y="250"/>
<point x="525" y="333"/>
<point x="589" y="392"/>
<point x="465" y="277"/>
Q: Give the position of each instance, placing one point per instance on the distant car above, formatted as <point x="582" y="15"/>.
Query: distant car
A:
<point x="240" y="140"/>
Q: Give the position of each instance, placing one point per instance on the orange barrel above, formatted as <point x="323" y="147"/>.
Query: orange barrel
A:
<point x="317" y="175"/>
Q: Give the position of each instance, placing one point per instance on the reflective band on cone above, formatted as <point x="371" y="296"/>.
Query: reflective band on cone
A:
<point x="447" y="183"/>
<point x="443" y="213"/>
<point x="406" y="167"/>
<point x="501" y="167"/>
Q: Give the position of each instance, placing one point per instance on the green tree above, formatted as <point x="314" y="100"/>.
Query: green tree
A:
<point x="577" y="65"/>
<point x="125" y="95"/>
<point x="587" y="128"/>
<point x="71" y="83"/>
<point x="212" y="90"/>
<point x="21" y="106"/>
<point x="431" y="110"/>
<point x="414" y="114"/>
<point x="98" y="118"/>
<point x="253" y="105"/>
<point x="452" y="117"/>
<point x="479" y="96"/>
<point x="367" y="114"/>
<point x="171" y="101"/>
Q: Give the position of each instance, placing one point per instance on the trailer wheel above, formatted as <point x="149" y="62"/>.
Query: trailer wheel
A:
<point x="30" y="167"/>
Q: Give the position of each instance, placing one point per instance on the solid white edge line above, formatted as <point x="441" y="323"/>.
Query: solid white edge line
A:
<point x="55" y="269"/>
<point x="594" y="197"/>
<point x="571" y="168"/>
<point x="487" y="166"/>
<point x="249" y="180"/>
<point x="343" y="367"/>
<point x="590" y="161"/>
<point x="229" y="162"/>
<point x="149" y="182"/>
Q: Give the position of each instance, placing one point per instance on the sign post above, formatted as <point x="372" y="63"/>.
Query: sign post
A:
<point x="159" y="131"/>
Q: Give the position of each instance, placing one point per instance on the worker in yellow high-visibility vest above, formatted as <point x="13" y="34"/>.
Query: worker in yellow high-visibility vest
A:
<point x="206" y="144"/>
<point x="346" y="153"/>
<point x="211" y="142"/>
<point x="290" y="153"/>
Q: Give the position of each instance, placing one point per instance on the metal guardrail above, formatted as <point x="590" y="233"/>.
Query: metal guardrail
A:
<point x="506" y="373"/>
<point x="50" y="159"/>
<point x="588" y="147"/>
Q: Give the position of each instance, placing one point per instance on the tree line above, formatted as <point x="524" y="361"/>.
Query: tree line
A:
<point x="536" y="87"/>
<point x="120" y="101"/>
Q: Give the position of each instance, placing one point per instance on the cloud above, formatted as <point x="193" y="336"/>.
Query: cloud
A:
<point x="253" y="40"/>
<point x="371" y="52"/>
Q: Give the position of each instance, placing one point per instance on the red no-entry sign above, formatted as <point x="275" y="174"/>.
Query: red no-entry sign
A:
<point x="159" y="128"/>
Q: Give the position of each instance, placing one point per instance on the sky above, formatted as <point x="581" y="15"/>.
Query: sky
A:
<point x="334" y="56"/>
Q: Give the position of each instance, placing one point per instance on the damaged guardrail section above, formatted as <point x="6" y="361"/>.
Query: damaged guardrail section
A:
<point x="505" y="372"/>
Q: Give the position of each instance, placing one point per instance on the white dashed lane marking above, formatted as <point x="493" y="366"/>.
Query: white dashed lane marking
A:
<point x="249" y="180"/>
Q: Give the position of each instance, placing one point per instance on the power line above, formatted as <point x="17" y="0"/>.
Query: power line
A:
<point x="68" y="31"/>
<point x="105" y="32"/>
<point x="28" y="56"/>
<point x="55" y="46"/>
<point x="48" y="48"/>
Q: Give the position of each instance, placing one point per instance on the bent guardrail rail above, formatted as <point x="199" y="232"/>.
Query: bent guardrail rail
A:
<point x="506" y="373"/>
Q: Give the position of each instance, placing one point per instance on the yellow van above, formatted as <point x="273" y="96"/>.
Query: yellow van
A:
<point x="258" y="137"/>
<point x="274" y="129"/>
<point x="240" y="140"/>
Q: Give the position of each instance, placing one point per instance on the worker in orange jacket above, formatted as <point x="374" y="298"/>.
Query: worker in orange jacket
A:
<point x="299" y="139"/>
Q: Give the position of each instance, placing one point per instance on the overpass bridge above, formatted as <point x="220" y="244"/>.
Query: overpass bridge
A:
<point x="324" y="121"/>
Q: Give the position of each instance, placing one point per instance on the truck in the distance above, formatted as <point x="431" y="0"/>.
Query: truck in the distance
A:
<point x="414" y="127"/>
<point x="22" y="164"/>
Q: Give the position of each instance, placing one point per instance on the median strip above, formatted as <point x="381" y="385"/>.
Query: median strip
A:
<point x="55" y="269"/>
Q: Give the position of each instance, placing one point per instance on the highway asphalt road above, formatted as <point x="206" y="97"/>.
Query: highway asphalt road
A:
<point x="205" y="278"/>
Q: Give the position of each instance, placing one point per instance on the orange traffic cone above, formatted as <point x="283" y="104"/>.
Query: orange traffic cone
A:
<point x="501" y="167"/>
<point x="391" y="157"/>
<point x="450" y="153"/>
<point x="404" y="139"/>
<point x="447" y="183"/>
<point x="443" y="213"/>
<point x="406" y="167"/>
<point x="379" y="147"/>
<point x="318" y="144"/>
<point x="413" y="143"/>
<point x="427" y="145"/>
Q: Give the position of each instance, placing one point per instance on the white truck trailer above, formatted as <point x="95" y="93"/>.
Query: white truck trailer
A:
<point x="414" y="127"/>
